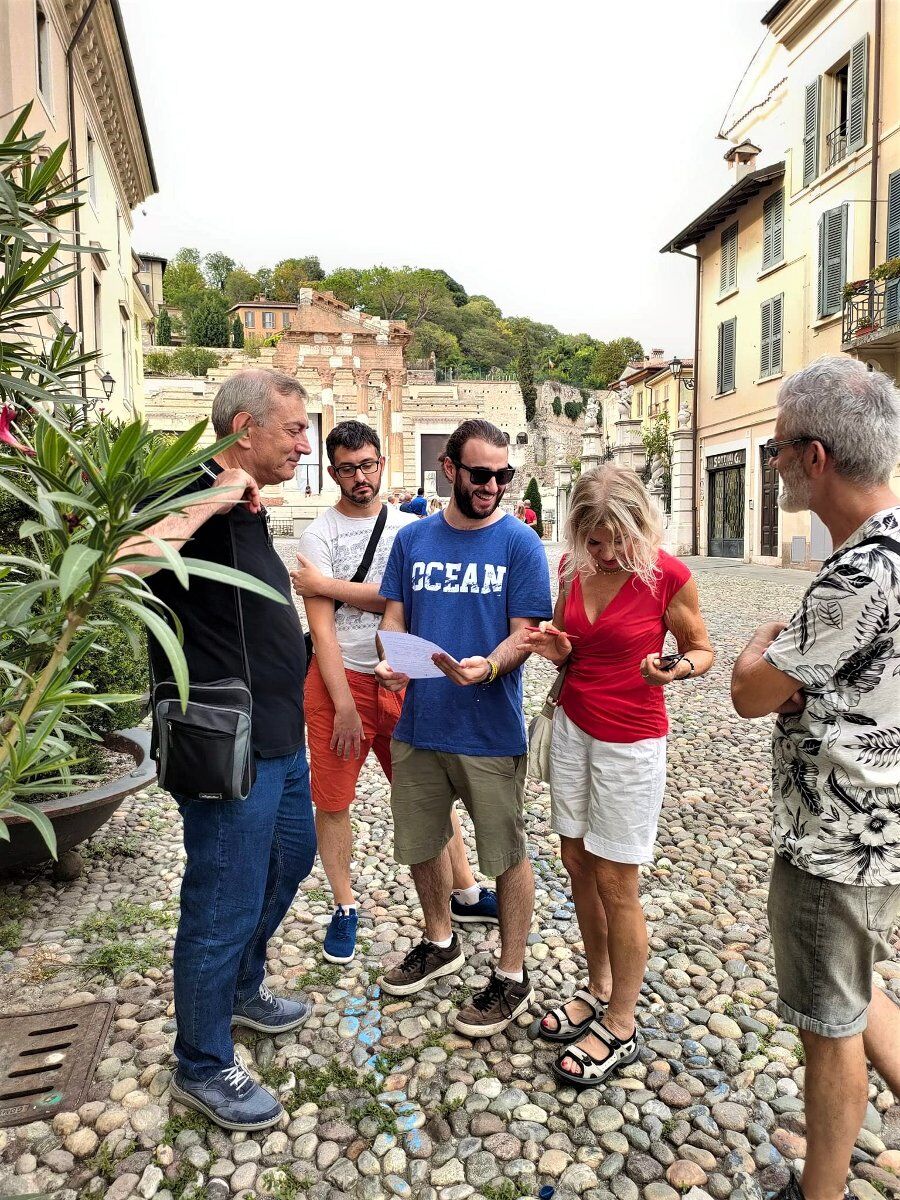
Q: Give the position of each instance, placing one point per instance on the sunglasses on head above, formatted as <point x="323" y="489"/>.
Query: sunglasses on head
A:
<point x="482" y="475"/>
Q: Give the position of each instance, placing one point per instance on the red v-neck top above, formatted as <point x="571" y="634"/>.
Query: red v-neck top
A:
<point x="604" y="693"/>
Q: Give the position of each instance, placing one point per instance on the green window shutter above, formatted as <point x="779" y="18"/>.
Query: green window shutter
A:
<point x="857" y="87"/>
<point x="773" y="230"/>
<point x="719" y="388"/>
<point x="725" y="372"/>
<point x="893" y="226"/>
<point x="777" y="307"/>
<point x="728" y="260"/>
<point x="765" y="339"/>
<point x="811" y="132"/>
<point x="832" y="259"/>
<point x="892" y="287"/>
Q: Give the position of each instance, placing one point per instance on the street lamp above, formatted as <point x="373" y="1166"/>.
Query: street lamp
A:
<point x="108" y="384"/>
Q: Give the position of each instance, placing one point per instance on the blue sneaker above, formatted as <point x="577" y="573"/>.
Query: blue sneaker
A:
<point x="270" y="1014"/>
<point x="230" y="1098"/>
<point x="340" y="940"/>
<point x="484" y="910"/>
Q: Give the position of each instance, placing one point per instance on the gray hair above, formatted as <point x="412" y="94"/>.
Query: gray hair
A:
<point x="853" y="411"/>
<point x="253" y="392"/>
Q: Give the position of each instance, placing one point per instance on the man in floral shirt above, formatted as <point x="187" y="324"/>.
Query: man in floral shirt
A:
<point x="833" y="677"/>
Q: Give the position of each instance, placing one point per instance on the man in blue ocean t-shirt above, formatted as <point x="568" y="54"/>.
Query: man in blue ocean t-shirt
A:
<point x="469" y="579"/>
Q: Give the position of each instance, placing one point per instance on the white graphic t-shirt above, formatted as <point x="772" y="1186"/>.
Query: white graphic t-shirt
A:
<point x="336" y="544"/>
<point x="836" y="765"/>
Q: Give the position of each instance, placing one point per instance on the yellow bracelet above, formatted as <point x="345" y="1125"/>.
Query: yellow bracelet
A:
<point x="493" y="672"/>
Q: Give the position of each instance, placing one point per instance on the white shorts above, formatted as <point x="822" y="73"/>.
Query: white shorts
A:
<point x="607" y="793"/>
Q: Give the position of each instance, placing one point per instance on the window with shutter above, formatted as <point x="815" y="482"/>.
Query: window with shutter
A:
<point x="728" y="260"/>
<point x="892" y="287"/>
<point x="777" y="307"/>
<point x="725" y="368"/>
<point x="765" y="339"/>
<point x="773" y="230"/>
<point x="811" y="132"/>
<point x="832" y="259"/>
<point x="856" y="116"/>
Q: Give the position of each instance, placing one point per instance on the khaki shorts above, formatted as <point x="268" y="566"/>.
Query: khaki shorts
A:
<point x="424" y="787"/>
<point x="826" y="937"/>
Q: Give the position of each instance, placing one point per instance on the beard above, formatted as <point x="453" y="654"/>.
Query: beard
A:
<point x="463" y="497"/>
<point x="795" y="492"/>
<point x="361" y="494"/>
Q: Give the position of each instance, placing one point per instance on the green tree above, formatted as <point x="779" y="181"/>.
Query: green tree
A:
<point x="183" y="282"/>
<point x="611" y="359"/>
<point x="241" y="286"/>
<point x="237" y="333"/>
<point x="164" y="328"/>
<point x="264" y="279"/>
<point x="532" y="498"/>
<point x="557" y="406"/>
<point x="456" y="290"/>
<point x="525" y="375"/>
<point x="292" y="274"/>
<point x="208" y="321"/>
<point x="217" y="267"/>
<point x="431" y="339"/>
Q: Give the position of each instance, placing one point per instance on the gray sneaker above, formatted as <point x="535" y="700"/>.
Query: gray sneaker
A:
<point x="270" y="1013"/>
<point x="230" y="1098"/>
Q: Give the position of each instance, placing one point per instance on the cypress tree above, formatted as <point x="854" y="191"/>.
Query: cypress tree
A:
<point x="164" y="328"/>
<point x="237" y="333"/>
<point x="532" y="498"/>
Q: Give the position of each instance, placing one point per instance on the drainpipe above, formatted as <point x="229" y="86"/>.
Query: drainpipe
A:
<point x="73" y="152"/>
<point x="695" y="536"/>
<point x="876" y="111"/>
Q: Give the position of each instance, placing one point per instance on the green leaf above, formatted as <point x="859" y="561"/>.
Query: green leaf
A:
<point x="29" y="528"/>
<point x="223" y="574"/>
<point x="33" y="814"/>
<point x="167" y="640"/>
<point x="76" y="564"/>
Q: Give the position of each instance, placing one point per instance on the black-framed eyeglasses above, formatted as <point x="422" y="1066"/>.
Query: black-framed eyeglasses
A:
<point x="370" y="466"/>
<point x="771" y="448"/>
<point x="482" y="475"/>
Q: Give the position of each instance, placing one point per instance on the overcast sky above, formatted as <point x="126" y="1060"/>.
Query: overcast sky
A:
<point x="540" y="153"/>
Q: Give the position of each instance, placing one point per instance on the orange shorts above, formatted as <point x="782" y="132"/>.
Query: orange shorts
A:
<point x="333" y="779"/>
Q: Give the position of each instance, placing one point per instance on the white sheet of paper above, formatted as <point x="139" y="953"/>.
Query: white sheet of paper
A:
<point x="410" y="655"/>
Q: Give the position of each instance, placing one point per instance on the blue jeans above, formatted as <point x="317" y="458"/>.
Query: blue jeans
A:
<point x="245" y="861"/>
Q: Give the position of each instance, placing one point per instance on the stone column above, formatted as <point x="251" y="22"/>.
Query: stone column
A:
<point x="630" y="450"/>
<point x="562" y="477"/>
<point x="326" y="377"/>
<point x="393" y="426"/>
<point x="361" y="379"/>
<point x="681" y="521"/>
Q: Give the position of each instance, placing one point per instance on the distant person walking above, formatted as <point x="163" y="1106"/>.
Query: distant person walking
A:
<point x="831" y="677"/>
<point x="469" y="579"/>
<point x="417" y="505"/>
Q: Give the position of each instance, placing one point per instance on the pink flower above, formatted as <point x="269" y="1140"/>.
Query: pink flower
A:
<point x="6" y="417"/>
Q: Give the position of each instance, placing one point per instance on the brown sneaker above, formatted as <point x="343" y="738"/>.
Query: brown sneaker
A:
<point x="491" y="1010"/>
<point x="422" y="964"/>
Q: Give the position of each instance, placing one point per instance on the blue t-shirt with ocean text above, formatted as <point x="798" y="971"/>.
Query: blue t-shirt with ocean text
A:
<point x="460" y="588"/>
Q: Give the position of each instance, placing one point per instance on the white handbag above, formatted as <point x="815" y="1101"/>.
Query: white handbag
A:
<point x="540" y="731"/>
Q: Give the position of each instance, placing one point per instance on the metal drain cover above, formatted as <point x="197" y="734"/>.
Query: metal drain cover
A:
<point x="47" y="1060"/>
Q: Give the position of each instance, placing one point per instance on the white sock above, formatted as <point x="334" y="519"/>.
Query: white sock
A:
<point x="469" y="895"/>
<point x="441" y="945"/>
<point x="347" y="908"/>
<point x="515" y="976"/>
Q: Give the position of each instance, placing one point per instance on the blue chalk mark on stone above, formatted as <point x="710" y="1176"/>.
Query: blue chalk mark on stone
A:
<point x="414" y="1141"/>
<point x="368" y="1037"/>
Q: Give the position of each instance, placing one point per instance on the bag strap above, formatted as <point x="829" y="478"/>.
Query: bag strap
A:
<point x="237" y="600"/>
<point x="368" y="555"/>
<point x="877" y="539"/>
<point x="553" y="695"/>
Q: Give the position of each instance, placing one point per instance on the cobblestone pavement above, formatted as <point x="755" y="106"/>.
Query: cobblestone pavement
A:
<point x="382" y="1099"/>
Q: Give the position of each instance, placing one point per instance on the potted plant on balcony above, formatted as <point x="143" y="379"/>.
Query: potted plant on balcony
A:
<point x="83" y="492"/>
<point x="888" y="270"/>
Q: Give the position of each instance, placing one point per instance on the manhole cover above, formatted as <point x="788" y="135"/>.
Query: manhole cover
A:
<point x="47" y="1060"/>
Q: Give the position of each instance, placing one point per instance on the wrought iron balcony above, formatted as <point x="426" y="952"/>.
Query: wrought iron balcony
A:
<point x="872" y="307"/>
<point x="836" y="143"/>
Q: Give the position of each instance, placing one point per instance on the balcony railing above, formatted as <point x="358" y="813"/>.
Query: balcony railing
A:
<point x="836" y="143"/>
<point x="873" y="306"/>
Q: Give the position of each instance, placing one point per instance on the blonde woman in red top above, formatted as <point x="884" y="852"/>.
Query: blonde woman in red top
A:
<point x="619" y="596"/>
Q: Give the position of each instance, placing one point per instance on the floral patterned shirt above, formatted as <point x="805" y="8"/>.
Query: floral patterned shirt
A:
<point x="836" y="765"/>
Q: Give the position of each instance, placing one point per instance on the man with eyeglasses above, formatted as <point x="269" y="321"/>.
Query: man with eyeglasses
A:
<point x="347" y="713"/>
<point x="831" y="676"/>
<point x="245" y="858"/>
<point x="468" y="579"/>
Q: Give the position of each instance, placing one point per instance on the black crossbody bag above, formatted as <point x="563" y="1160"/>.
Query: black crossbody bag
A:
<point x="361" y="571"/>
<point x="205" y="751"/>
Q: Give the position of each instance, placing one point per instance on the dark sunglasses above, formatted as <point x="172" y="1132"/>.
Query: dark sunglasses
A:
<point x="771" y="448"/>
<point x="482" y="475"/>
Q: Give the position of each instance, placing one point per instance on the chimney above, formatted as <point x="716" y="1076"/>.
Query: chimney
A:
<point x="742" y="160"/>
<point x="657" y="353"/>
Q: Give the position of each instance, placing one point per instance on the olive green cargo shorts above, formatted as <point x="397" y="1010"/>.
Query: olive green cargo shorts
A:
<point x="424" y="786"/>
